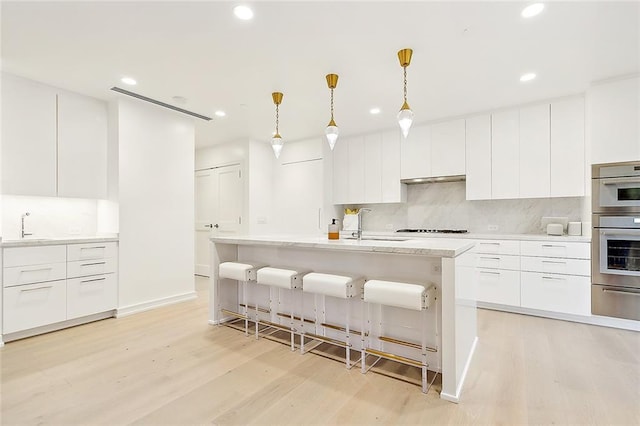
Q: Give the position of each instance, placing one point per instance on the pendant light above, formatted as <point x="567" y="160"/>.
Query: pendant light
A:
<point x="405" y="116"/>
<point x="276" y="140"/>
<point x="332" y="130"/>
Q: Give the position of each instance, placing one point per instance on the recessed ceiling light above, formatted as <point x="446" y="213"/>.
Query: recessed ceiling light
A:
<point x="374" y="111"/>
<point x="532" y="10"/>
<point x="243" y="12"/>
<point x="527" y="77"/>
<point x="220" y="113"/>
<point x="128" y="80"/>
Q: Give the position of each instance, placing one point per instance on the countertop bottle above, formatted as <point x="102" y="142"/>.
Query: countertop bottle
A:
<point x="334" y="231"/>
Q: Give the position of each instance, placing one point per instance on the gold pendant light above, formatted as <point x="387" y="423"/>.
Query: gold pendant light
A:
<point x="332" y="130"/>
<point x="276" y="140"/>
<point x="405" y="116"/>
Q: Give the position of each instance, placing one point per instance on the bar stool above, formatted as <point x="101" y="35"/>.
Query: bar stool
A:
<point x="243" y="273"/>
<point x="415" y="297"/>
<point x="278" y="279"/>
<point x="340" y="286"/>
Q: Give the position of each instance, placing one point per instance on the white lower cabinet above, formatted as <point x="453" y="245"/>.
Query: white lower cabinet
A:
<point x="498" y="286"/>
<point x="570" y="294"/>
<point x="90" y="295"/>
<point x="33" y="305"/>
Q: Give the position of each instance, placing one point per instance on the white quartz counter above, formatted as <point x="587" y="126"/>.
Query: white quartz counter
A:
<point x="477" y="236"/>
<point x="437" y="247"/>
<point x="34" y="242"/>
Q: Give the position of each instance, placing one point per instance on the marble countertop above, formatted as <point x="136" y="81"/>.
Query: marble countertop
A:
<point x="472" y="235"/>
<point x="435" y="247"/>
<point x="34" y="242"/>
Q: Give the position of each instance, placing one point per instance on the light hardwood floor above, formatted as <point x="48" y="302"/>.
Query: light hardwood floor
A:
<point x="168" y="366"/>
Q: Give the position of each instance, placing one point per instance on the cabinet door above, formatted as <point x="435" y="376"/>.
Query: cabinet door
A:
<point x="392" y="190"/>
<point x="82" y="146"/>
<point x="28" y="137"/>
<point x="505" y="152"/>
<point x="567" y="148"/>
<point x="33" y="305"/>
<point x="557" y="293"/>
<point x="91" y="295"/>
<point x="416" y="153"/>
<point x="498" y="286"/>
<point x="356" y="169"/>
<point x="534" y="152"/>
<point x="373" y="168"/>
<point x="478" y="156"/>
<point x="340" y="172"/>
<point x="448" y="148"/>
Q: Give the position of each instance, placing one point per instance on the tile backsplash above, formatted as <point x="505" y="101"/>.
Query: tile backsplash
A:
<point x="444" y="206"/>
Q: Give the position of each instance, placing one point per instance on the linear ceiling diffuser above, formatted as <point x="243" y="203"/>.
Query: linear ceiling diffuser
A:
<point x="160" y="103"/>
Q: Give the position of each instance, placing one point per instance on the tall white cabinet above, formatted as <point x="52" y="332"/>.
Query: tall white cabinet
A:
<point x="478" y="157"/>
<point x="505" y="154"/>
<point x="54" y="142"/>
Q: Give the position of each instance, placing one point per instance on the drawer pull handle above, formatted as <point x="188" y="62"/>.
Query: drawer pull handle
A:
<point x="90" y="248"/>
<point x="554" y="261"/>
<point x="490" y="272"/>
<point x="489" y="258"/>
<point x="490" y="244"/>
<point x="34" y="270"/>
<point x="553" y="278"/>
<point x="553" y="245"/>
<point x="34" y="289"/>
<point x="90" y="281"/>
<point x="92" y="264"/>
<point x="606" y="290"/>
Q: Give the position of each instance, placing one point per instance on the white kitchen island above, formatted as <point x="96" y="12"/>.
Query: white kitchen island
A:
<point x="447" y="263"/>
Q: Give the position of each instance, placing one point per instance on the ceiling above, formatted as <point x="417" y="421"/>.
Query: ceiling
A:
<point x="468" y="57"/>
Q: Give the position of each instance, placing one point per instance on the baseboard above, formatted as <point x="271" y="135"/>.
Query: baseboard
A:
<point x="153" y="304"/>
<point x="623" y="324"/>
<point x="456" y="398"/>
<point x="57" y="326"/>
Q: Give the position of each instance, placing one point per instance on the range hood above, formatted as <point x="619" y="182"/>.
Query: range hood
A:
<point x="434" y="179"/>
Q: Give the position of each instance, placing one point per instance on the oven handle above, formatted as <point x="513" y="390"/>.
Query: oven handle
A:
<point x="606" y="290"/>
<point x="614" y="181"/>
<point x="620" y="232"/>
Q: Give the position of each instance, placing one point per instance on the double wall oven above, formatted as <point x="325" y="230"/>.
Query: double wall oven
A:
<point x="615" y="249"/>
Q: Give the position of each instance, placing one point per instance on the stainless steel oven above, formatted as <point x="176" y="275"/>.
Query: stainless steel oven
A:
<point x="615" y="248"/>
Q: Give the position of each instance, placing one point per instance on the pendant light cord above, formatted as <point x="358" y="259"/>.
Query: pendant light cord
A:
<point x="405" y="83"/>
<point x="277" y="118"/>
<point x="331" y="104"/>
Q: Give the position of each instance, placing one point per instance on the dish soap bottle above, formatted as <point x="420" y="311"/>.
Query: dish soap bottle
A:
<point x="334" y="232"/>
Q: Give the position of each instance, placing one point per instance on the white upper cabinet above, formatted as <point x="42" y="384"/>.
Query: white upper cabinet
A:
<point x="341" y="172"/>
<point x="392" y="190"/>
<point x="356" y="169"/>
<point x="54" y="142"/>
<point x="505" y="150"/>
<point x="28" y="137"/>
<point x="373" y="168"/>
<point x="478" y="156"/>
<point x="568" y="148"/>
<point x="448" y="148"/>
<point x="534" y="151"/>
<point x="416" y="153"/>
<point x="82" y="146"/>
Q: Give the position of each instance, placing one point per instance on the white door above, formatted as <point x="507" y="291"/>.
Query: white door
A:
<point x="218" y="210"/>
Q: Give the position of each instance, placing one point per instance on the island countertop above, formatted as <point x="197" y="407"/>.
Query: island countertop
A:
<point x="436" y="247"/>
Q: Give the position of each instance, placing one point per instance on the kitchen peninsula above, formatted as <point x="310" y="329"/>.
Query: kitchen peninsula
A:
<point x="447" y="263"/>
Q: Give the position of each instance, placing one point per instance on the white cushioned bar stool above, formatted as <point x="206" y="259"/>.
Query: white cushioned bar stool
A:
<point x="345" y="287"/>
<point x="415" y="297"/>
<point x="243" y="272"/>
<point x="279" y="279"/>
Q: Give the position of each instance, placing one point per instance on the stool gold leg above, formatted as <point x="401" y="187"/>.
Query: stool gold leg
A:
<point x="246" y="309"/>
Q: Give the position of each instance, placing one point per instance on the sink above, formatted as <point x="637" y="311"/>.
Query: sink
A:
<point x="378" y="239"/>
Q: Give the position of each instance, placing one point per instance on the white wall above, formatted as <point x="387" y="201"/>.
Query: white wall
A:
<point x="156" y="206"/>
<point x="48" y="216"/>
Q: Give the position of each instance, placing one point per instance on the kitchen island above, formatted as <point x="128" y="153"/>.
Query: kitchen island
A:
<point x="447" y="263"/>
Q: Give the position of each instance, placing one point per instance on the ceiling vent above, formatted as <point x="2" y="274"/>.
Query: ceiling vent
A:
<point x="162" y="104"/>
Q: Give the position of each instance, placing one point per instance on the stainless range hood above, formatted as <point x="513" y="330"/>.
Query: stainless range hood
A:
<point x="435" y="179"/>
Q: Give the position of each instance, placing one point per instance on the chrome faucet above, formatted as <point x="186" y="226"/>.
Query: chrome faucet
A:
<point x="22" y="233"/>
<point x="358" y="234"/>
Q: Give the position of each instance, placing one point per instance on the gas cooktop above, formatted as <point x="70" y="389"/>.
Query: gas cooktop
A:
<point x="435" y="231"/>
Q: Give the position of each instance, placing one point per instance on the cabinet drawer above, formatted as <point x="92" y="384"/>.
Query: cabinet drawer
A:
<point x="497" y="247"/>
<point x="91" y="295"/>
<point x="34" y="305"/>
<point x="557" y="265"/>
<point x="557" y="293"/>
<point x="556" y="249"/>
<point x="84" y="268"/>
<point x="495" y="286"/>
<point x="91" y="251"/>
<point x="19" y="275"/>
<point x="498" y="261"/>
<point x="22" y="256"/>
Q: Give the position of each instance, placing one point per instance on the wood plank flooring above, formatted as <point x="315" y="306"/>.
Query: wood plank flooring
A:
<point x="169" y="367"/>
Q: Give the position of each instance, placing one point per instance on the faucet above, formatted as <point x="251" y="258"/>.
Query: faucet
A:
<point x="358" y="234"/>
<point x="22" y="233"/>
